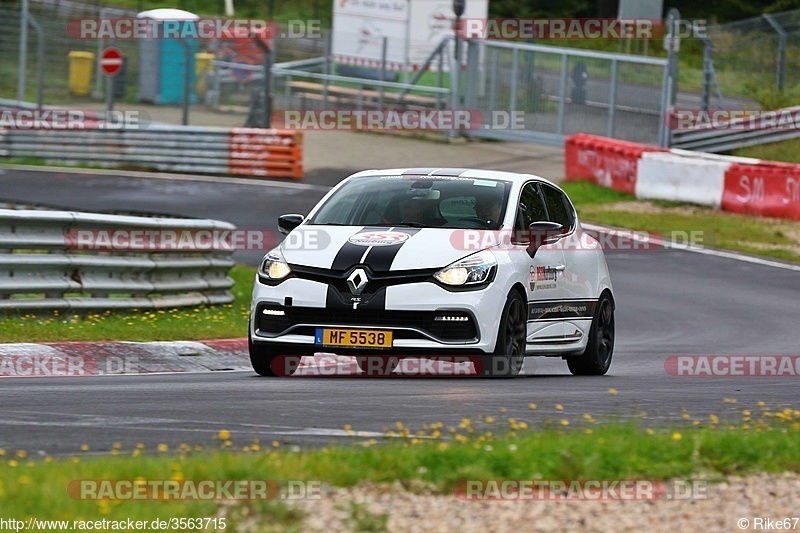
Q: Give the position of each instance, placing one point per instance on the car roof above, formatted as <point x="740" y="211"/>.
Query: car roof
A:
<point x="453" y="172"/>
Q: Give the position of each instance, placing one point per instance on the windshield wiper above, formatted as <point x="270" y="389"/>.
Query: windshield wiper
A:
<point x="414" y="225"/>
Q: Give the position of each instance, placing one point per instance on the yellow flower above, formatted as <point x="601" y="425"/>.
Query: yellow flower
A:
<point x="677" y="436"/>
<point x="85" y="448"/>
<point x="650" y="431"/>
<point x="464" y="423"/>
<point x="565" y="422"/>
<point x="559" y="407"/>
<point x="162" y="448"/>
<point x="224" y="434"/>
<point x="612" y="391"/>
<point x="531" y="406"/>
<point x="489" y="420"/>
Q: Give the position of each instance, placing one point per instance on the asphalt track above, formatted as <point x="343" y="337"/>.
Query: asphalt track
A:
<point x="669" y="302"/>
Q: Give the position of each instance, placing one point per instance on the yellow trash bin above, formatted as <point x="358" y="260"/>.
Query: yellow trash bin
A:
<point x="80" y="72"/>
<point x="202" y="64"/>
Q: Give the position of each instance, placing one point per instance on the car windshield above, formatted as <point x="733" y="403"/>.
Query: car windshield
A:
<point x="430" y="202"/>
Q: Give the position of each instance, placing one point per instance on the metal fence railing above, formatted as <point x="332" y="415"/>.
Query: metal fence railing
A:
<point x="739" y="133"/>
<point x="561" y="91"/>
<point x="56" y="43"/>
<point x="56" y="260"/>
<point x="237" y="151"/>
<point x="758" y="52"/>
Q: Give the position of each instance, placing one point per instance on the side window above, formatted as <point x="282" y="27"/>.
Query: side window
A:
<point x="531" y="207"/>
<point x="558" y="207"/>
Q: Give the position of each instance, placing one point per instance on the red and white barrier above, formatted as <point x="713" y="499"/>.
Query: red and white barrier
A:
<point x="737" y="184"/>
<point x="607" y="162"/>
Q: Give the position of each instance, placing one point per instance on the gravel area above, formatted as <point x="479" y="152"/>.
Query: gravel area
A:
<point x="770" y="496"/>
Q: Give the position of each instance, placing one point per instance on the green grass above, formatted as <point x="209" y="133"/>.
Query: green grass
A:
<point x="708" y="449"/>
<point x="741" y="233"/>
<point x="203" y="322"/>
<point x="786" y="151"/>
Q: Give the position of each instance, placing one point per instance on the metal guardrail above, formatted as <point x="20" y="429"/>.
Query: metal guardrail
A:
<point x="738" y="133"/>
<point x="238" y="151"/>
<point x="47" y="263"/>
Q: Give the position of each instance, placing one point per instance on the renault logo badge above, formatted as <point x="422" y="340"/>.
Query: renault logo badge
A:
<point x="357" y="281"/>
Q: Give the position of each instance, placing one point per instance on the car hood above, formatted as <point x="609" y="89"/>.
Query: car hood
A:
<point x="382" y="249"/>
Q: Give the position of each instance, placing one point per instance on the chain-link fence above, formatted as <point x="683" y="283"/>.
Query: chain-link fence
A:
<point x="163" y="61"/>
<point x="559" y="91"/>
<point x="758" y="54"/>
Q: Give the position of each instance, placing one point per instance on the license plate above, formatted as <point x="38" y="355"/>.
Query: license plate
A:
<point x="354" y="338"/>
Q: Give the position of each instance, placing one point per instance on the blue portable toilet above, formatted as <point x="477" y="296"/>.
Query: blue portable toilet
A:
<point x="162" y="61"/>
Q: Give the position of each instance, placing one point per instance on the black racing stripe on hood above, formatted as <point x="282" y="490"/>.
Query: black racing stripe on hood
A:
<point x="380" y="258"/>
<point x="350" y="254"/>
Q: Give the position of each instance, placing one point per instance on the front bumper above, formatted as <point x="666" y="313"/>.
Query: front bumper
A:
<point x="297" y="307"/>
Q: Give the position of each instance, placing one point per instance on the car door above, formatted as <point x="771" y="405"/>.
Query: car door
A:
<point x="545" y="293"/>
<point x="575" y="272"/>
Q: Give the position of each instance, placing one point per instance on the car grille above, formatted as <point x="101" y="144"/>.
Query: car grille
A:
<point x="463" y="330"/>
<point x="377" y="281"/>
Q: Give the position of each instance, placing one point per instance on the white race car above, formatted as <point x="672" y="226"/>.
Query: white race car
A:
<point x="426" y="262"/>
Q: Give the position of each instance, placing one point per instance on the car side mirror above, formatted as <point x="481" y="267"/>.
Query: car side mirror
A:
<point x="287" y="223"/>
<point x="541" y="233"/>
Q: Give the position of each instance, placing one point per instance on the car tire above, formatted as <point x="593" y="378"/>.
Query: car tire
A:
<point x="509" y="351"/>
<point x="261" y="358"/>
<point x="376" y="365"/>
<point x="596" y="359"/>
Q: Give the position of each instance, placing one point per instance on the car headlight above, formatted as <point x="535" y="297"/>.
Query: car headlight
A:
<point x="471" y="270"/>
<point x="275" y="266"/>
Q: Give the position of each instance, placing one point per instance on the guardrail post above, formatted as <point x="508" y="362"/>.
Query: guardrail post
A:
<point x="512" y="99"/>
<point x="187" y="51"/>
<point x="781" y="67"/>
<point x="612" y="99"/>
<point x="326" y="69"/>
<point x="562" y="95"/>
<point x="267" y="51"/>
<point x="40" y="37"/>
<point x="384" y="43"/>
<point x="23" y="51"/>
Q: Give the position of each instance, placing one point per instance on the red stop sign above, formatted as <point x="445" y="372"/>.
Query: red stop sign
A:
<point x="111" y="61"/>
